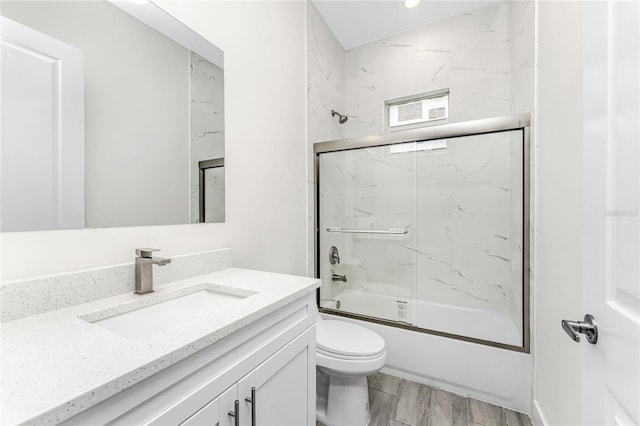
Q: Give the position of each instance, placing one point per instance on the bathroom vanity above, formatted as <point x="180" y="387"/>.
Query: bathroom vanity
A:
<point x="244" y="354"/>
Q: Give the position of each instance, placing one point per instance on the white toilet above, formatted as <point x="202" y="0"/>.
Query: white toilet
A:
<point x="346" y="354"/>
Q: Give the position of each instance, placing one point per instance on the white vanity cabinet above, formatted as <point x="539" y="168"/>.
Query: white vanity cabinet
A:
<point x="278" y="388"/>
<point x="275" y="355"/>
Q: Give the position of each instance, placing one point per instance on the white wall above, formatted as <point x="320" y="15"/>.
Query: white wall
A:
<point x="557" y="273"/>
<point x="264" y="47"/>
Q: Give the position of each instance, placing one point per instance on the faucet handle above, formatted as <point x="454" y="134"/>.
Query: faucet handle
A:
<point x="145" y="252"/>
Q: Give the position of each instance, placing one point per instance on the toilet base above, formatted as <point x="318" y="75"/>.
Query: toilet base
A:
<point x="347" y="401"/>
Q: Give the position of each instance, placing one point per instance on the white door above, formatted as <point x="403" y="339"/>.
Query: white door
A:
<point x="42" y="131"/>
<point x="611" y="257"/>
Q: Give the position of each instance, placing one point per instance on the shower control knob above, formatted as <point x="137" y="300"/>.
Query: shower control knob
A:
<point x="334" y="256"/>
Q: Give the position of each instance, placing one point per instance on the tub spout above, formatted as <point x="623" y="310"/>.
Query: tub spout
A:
<point x="337" y="277"/>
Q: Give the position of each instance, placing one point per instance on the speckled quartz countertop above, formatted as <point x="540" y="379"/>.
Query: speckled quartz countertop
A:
<point x="56" y="364"/>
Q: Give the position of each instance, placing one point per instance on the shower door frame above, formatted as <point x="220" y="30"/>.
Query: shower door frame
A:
<point x="444" y="131"/>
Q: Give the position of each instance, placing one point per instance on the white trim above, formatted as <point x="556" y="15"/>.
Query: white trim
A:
<point x="537" y="417"/>
<point x="155" y="17"/>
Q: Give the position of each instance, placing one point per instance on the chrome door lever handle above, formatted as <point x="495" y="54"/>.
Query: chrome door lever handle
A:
<point x="588" y="327"/>
<point x="571" y="327"/>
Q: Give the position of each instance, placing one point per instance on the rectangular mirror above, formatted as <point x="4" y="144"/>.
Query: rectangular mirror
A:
<point x="108" y="110"/>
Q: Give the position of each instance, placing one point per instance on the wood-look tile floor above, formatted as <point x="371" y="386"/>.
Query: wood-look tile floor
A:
<point x="398" y="402"/>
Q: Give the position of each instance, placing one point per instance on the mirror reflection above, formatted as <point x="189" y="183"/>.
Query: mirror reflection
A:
<point x="106" y="117"/>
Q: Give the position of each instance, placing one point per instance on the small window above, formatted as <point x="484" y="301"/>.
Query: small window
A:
<point x="421" y="110"/>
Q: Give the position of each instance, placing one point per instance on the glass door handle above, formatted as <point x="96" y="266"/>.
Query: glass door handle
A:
<point x="390" y="231"/>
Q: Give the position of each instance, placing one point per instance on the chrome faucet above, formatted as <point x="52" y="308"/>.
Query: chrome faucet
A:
<point x="337" y="277"/>
<point x="144" y="269"/>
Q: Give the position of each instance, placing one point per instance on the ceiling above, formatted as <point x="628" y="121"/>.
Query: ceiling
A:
<point x="357" y="22"/>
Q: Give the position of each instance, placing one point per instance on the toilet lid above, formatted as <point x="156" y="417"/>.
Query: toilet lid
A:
<point x="343" y="338"/>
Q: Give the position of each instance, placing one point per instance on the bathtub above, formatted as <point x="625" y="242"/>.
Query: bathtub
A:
<point x="491" y="374"/>
<point x="375" y="301"/>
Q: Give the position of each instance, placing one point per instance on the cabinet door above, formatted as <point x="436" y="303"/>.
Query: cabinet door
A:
<point x="217" y="412"/>
<point x="282" y="384"/>
<point x="227" y="403"/>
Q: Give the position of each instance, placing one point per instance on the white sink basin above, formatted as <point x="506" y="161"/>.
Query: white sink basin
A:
<point x="142" y="322"/>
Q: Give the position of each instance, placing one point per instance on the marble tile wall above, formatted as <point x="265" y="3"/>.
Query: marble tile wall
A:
<point x="467" y="53"/>
<point x="377" y="192"/>
<point x="325" y="91"/>
<point x="325" y="79"/>
<point x="333" y="214"/>
<point x="381" y="195"/>
<point x="521" y="51"/>
<point x="463" y="223"/>
<point x="207" y="127"/>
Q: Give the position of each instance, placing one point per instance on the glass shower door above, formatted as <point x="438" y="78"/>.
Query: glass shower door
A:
<point x="367" y="199"/>
<point x="430" y="235"/>
<point x="469" y="235"/>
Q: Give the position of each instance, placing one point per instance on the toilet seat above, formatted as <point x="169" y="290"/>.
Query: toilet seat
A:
<point x="349" y="357"/>
<point x="350" y="367"/>
<point x="343" y="340"/>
